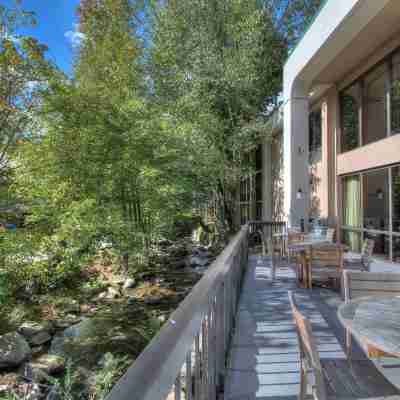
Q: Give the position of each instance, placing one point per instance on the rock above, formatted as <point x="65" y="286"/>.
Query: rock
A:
<point x="86" y="342"/>
<point x="14" y="349"/>
<point x="61" y="324"/>
<point x="162" y="318"/>
<point x="72" y="307"/>
<point x="112" y="293"/>
<point x="129" y="284"/>
<point x="40" y="338"/>
<point x="31" y="373"/>
<point x="131" y="301"/>
<point x="151" y="300"/>
<point x="30" y="329"/>
<point x="178" y="264"/>
<point x="165" y="243"/>
<point x="196" y="261"/>
<point x="49" y="363"/>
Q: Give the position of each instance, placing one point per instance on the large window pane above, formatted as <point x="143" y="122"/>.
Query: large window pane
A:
<point x="382" y="244"/>
<point x="396" y="249"/>
<point x="376" y="200"/>
<point x="374" y="105"/>
<point x="352" y="201"/>
<point x="395" y="96"/>
<point x="315" y="140"/>
<point x="352" y="240"/>
<point x="350" y="106"/>
<point x="396" y="198"/>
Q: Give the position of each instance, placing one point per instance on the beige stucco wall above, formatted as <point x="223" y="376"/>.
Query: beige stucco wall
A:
<point x="374" y="155"/>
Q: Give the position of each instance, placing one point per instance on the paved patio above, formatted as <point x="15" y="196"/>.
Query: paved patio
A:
<point x="263" y="363"/>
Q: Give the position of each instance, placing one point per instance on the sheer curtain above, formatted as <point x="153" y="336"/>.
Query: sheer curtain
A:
<point x="352" y="209"/>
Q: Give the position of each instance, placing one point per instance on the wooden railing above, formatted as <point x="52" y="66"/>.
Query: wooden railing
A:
<point x="187" y="358"/>
<point x="267" y="234"/>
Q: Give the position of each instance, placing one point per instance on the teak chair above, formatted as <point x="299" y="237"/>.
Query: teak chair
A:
<point x="336" y="375"/>
<point x="330" y="235"/>
<point x="326" y="263"/>
<point x="362" y="261"/>
<point x="361" y="284"/>
<point x="309" y="356"/>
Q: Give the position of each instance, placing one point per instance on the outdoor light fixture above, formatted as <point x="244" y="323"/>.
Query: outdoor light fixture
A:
<point x="299" y="194"/>
<point x="379" y="194"/>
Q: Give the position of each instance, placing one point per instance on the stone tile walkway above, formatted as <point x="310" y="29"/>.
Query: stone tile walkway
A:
<point x="264" y="359"/>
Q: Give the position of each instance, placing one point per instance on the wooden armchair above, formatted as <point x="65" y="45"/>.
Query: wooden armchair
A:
<point x="309" y="356"/>
<point x="330" y="235"/>
<point x="334" y="379"/>
<point x="362" y="261"/>
<point x="326" y="263"/>
<point x="361" y="284"/>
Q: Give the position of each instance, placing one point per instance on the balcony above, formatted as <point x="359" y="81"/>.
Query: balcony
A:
<point x="233" y="338"/>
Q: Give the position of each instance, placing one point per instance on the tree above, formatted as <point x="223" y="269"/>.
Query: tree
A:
<point x="24" y="71"/>
<point x="293" y="16"/>
<point x="216" y="68"/>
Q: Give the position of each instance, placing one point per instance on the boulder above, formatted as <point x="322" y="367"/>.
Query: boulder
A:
<point x="178" y="264"/>
<point x="30" y="329"/>
<point x="129" y="284"/>
<point x="49" y="364"/>
<point x="40" y="338"/>
<point x="151" y="300"/>
<point x="196" y="261"/>
<point x="14" y="350"/>
<point x="86" y="342"/>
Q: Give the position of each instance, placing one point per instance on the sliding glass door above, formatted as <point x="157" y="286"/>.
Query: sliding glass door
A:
<point x="371" y="210"/>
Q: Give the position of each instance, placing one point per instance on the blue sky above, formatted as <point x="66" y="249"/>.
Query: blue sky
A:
<point x="56" y="27"/>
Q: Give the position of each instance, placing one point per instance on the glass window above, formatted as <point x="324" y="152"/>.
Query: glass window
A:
<point x="259" y="194"/>
<point x="396" y="249"/>
<point x="352" y="201"/>
<point x="259" y="158"/>
<point x="375" y="105"/>
<point x="396" y="198"/>
<point x="350" y="105"/>
<point x="376" y="200"/>
<point x="352" y="240"/>
<point x="315" y="140"/>
<point x="395" y="95"/>
<point x="382" y="244"/>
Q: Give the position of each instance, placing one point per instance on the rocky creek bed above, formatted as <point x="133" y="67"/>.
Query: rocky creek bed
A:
<point x="59" y="346"/>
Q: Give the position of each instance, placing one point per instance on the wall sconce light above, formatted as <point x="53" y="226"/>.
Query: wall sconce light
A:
<point x="379" y="194"/>
<point x="300" y="150"/>
<point x="299" y="194"/>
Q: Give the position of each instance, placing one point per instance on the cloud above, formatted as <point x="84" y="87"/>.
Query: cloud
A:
<point x="74" y="36"/>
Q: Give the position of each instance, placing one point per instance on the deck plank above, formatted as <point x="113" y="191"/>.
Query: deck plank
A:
<point x="264" y="359"/>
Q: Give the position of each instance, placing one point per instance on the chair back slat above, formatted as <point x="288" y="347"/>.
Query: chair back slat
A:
<point x="329" y="256"/>
<point x="368" y="248"/>
<point x="361" y="284"/>
<point x="330" y="234"/>
<point x="308" y="349"/>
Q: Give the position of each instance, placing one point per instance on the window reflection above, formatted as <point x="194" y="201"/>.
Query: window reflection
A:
<point x="395" y="95"/>
<point x="376" y="200"/>
<point x="350" y="100"/>
<point x="374" y="105"/>
<point x="382" y="244"/>
<point x="352" y="240"/>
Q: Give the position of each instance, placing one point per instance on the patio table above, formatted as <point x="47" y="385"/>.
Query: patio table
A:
<point x="302" y="248"/>
<point x="374" y="321"/>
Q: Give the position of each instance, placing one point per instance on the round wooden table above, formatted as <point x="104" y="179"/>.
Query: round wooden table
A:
<point x="374" y="321"/>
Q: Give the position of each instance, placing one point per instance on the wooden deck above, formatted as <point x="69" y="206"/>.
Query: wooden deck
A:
<point x="264" y="359"/>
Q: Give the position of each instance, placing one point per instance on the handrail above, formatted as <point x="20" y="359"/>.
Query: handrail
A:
<point x="194" y="340"/>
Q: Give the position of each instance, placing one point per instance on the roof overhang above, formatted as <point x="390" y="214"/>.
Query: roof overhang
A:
<point x="345" y="33"/>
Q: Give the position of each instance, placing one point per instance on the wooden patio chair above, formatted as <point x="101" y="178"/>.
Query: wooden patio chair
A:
<point x="326" y="263"/>
<point x="334" y="379"/>
<point x="361" y="284"/>
<point x="293" y="238"/>
<point x="360" y="261"/>
<point x="330" y="235"/>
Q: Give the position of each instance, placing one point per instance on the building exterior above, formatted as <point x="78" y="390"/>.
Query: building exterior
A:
<point x="338" y="158"/>
<point x="341" y="136"/>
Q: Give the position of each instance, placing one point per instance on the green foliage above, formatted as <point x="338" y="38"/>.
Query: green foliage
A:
<point x="112" y="369"/>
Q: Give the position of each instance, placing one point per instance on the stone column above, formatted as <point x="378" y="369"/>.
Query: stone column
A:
<point x="296" y="158"/>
